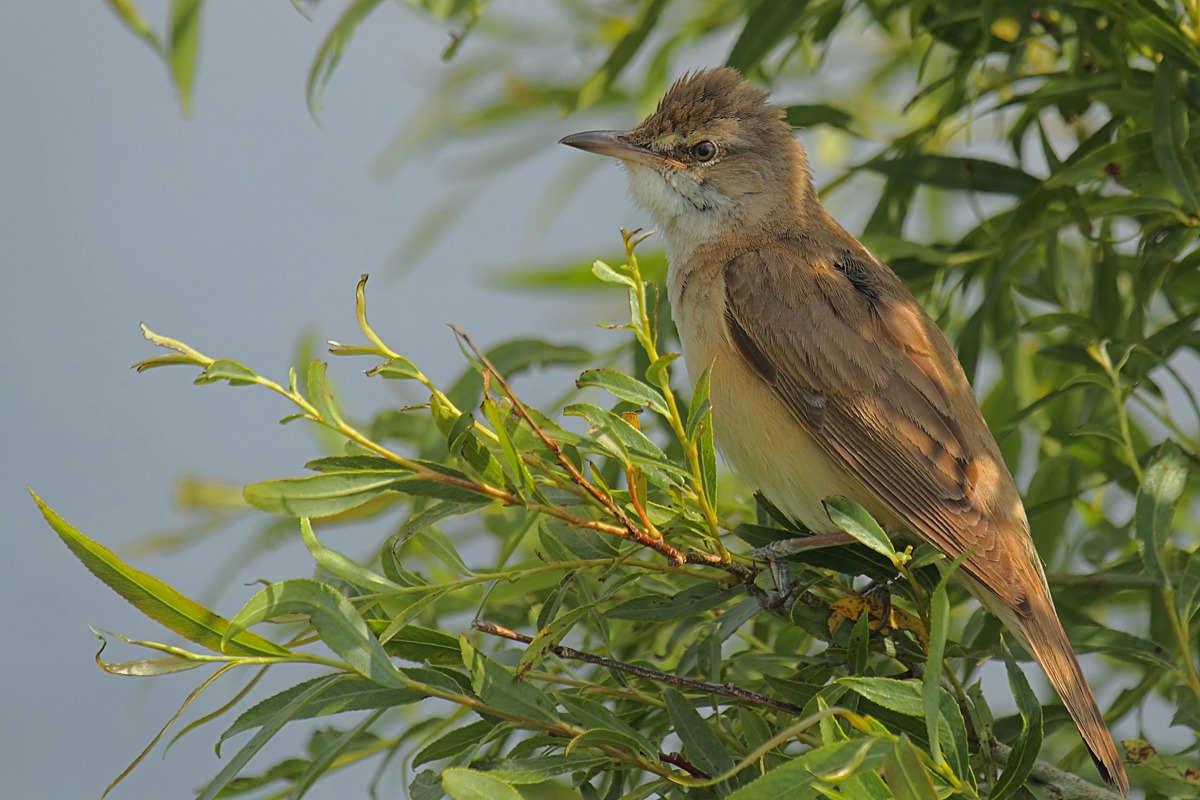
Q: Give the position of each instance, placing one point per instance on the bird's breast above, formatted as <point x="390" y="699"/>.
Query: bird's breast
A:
<point x="754" y="430"/>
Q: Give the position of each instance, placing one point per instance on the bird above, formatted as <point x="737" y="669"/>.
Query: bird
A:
<point x="827" y="376"/>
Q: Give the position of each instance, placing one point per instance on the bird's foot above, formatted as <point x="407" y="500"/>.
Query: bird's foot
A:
<point x="776" y="554"/>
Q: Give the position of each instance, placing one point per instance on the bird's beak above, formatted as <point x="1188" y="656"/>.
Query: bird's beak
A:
<point x="617" y="145"/>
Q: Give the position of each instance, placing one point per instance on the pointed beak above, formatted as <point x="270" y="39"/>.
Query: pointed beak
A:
<point x="617" y="145"/>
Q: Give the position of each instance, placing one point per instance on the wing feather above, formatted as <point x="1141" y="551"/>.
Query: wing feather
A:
<point x="866" y="371"/>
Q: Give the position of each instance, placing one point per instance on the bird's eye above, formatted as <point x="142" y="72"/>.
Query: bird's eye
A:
<point x="704" y="151"/>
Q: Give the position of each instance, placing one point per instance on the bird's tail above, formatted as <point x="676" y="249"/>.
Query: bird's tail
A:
<point x="1042" y="635"/>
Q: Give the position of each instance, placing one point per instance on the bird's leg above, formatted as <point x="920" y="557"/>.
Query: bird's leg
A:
<point x="881" y="592"/>
<point x="776" y="554"/>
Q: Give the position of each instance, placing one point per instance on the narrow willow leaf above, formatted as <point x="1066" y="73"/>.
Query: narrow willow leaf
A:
<point x="547" y="638"/>
<point x="351" y="694"/>
<point x="1029" y="742"/>
<point x="322" y="495"/>
<point x="397" y="369"/>
<point x="624" y="387"/>
<point x="335" y="619"/>
<point x="497" y="686"/>
<point x="954" y="172"/>
<point x="467" y="784"/>
<point x="516" y="470"/>
<point x="603" y="737"/>
<point x="1157" y="498"/>
<point x="324" y="760"/>
<point x="185" y="35"/>
<point x="131" y="16"/>
<point x="766" y="26"/>
<point x="689" y="602"/>
<point x="540" y="768"/>
<point x="701" y="406"/>
<point x="330" y="52"/>
<point x="596" y="717"/>
<point x="1126" y="646"/>
<point x="156" y="599"/>
<point x="622" y="53"/>
<point x="415" y="643"/>
<point x="939" y="621"/>
<point x="854" y="520"/>
<point x="700" y="744"/>
<point x="1110" y="160"/>
<point x="224" y="369"/>
<point x="657" y="372"/>
<point x="345" y="568"/>
<point x="858" y="650"/>
<point x="609" y="275"/>
<point x="906" y="775"/>
<point x="810" y="114"/>
<point x="269" y="728"/>
<point x="456" y="741"/>
<point x="795" y="778"/>
<point x="1158" y="775"/>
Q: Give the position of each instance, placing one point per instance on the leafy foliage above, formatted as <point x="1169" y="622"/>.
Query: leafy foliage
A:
<point x="1062" y="256"/>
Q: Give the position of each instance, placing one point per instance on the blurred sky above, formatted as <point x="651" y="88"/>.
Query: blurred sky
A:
<point x="232" y="230"/>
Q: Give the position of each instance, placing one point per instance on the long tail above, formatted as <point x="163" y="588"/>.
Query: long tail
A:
<point x="1042" y="635"/>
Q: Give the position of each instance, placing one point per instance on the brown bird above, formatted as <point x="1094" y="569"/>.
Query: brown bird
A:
<point x="828" y="378"/>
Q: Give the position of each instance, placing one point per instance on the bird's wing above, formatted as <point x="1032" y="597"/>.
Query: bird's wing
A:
<point x="863" y="368"/>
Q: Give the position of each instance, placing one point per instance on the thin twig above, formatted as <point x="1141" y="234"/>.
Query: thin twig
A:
<point x="1068" y="786"/>
<point x="722" y="689"/>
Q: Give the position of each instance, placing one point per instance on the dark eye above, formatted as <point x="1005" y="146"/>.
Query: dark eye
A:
<point x="704" y="151"/>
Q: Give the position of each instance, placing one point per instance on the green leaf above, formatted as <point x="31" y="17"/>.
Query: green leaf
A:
<point x="397" y="369"/>
<point x="624" y="51"/>
<point x="1114" y="159"/>
<point x="700" y="744"/>
<point x="595" y="717"/>
<point x="1170" y="133"/>
<point x="547" y="638"/>
<point x="808" y="115"/>
<point x="345" y="568"/>
<point x="415" y="643"/>
<point x="322" y="495"/>
<point x="906" y="775"/>
<point x="540" y="768"/>
<point x="156" y="599"/>
<point x="624" y="387"/>
<point x="1029" y="742"/>
<point x="953" y="172"/>
<point x="267" y="731"/>
<point x="689" y="602"/>
<point x="351" y="694"/>
<point x="515" y="468"/>
<point x="1098" y="639"/>
<point x="456" y="741"/>
<point x="794" y="778"/>
<point x="854" y="520"/>
<point x="330" y="52"/>
<point x="1157" y="498"/>
<point x="1187" y="594"/>
<point x="701" y="405"/>
<point x="324" y="760"/>
<point x="467" y="784"/>
<point x="1157" y="775"/>
<point x="497" y="686"/>
<point x="224" y="369"/>
<point x="131" y="16"/>
<point x="858" y="651"/>
<point x="185" y="35"/>
<point x="609" y="275"/>
<point x="335" y="619"/>
<point x="766" y="26"/>
<point x="657" y="372"/>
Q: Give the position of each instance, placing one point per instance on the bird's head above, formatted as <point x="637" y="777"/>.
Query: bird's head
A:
<point x="714" y="156"/>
